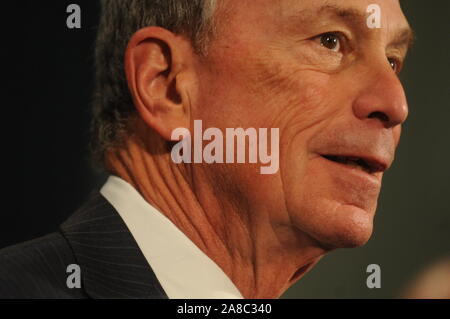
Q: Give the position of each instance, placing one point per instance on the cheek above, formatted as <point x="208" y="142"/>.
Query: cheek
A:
<point x="301" y="103"/>
<point x="326" y="207"/>
<point x="309" y="112"/>
<point x="294" y="104"/>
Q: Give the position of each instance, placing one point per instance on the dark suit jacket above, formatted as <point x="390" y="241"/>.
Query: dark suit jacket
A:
<point x="96" y="239"/>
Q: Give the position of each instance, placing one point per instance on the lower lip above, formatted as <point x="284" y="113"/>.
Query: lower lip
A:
<point x="354" y="172"/>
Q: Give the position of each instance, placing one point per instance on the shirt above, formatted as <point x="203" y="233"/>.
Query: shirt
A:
<point x="182" y="269"/>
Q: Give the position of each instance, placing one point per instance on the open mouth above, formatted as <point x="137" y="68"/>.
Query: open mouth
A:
<point x="364" y="164"/>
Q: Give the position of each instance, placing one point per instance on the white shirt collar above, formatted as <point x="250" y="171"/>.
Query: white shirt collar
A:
<point x="182" y="269"/>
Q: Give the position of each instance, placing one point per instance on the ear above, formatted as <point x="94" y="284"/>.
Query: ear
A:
<point x="158" y="67"/>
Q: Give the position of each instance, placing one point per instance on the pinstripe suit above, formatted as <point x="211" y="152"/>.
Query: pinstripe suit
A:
<point x="96" y="239"/>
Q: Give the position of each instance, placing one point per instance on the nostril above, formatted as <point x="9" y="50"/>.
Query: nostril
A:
<point x="379" y="115"/>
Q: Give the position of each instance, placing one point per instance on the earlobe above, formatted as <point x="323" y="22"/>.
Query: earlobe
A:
<point x="153" y="61"/>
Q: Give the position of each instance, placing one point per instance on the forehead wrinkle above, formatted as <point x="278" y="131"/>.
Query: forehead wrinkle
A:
<point x="347" y="14"/>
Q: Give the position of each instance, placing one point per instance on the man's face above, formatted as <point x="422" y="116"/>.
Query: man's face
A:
<point x="315" y="70"/>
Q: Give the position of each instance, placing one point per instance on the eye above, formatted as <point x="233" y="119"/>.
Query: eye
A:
<point x="395" y="64"/>
<point x="331" y="41"/>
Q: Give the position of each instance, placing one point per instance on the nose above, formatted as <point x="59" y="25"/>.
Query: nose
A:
<point x="382" y="98"/>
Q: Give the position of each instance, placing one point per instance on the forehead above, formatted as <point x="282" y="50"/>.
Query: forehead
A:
<point x="264" y="14"/>
<point x="287" y="6"/>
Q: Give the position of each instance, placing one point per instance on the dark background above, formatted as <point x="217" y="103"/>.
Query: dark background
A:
<point x="51" y="171"/>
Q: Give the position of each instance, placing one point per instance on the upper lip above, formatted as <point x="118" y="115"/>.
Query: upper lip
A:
<point x="370" y="163"/>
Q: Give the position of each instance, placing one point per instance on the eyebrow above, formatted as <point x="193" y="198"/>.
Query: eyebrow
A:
<point x="403" y="38"/>
<point x="350" y="14"/>
<point x="347" y="14"/>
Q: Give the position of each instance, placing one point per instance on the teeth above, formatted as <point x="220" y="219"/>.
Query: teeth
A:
<point x="357" y="166"/>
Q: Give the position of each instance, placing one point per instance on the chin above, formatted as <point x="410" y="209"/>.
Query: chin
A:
<point x="348" y="227"/>
<point x="333" y="224"/>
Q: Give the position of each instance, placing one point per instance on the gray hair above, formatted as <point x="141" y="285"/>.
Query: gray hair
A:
<point x="119" y="20"/>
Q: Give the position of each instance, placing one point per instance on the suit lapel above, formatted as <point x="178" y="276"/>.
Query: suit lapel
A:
<point x="112" y="265"/>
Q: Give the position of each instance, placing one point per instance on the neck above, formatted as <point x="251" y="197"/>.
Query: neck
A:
<point x="261" y="259"/>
